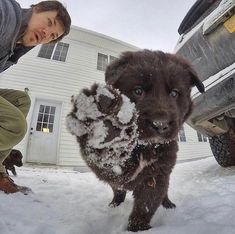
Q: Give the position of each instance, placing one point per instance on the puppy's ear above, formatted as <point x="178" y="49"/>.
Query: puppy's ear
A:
<point x="116" y="68"/>
<point x="196" y="81"/>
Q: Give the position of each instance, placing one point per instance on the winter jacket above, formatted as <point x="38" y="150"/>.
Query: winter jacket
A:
<point x="13" y="22"/>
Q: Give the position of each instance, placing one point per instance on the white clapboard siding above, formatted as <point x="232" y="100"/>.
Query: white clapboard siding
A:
<point x="55" y="80"/>
<point x="192" y="148"/>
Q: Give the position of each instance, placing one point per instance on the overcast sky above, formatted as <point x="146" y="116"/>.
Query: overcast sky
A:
<point x="150" y="24"/>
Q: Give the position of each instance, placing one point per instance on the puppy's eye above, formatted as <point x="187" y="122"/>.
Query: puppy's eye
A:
<point x="138" y="91"/>
<point x="174" y="93"/>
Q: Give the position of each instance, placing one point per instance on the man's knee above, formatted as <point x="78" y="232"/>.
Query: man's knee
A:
<point x="13" y="131"/>
<point x="23" y="102"/>
<point x="19" y="126"/>
<point x="17" y="98"/>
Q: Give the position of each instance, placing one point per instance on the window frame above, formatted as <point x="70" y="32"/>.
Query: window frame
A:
<point x="55" y="51"/>
<point x="46" y="119"/>
<point x="181" y="137"/>
<point x="102" y="67"/>
<point x="201" y="137"/>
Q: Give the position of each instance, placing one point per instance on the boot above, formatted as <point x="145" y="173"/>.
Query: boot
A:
<point x="7" y="185"/>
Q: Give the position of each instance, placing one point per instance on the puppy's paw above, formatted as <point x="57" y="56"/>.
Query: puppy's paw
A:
<point x="118" y="198"/>
<point x="114" y="204"/>
<point x="108" y="100"/>
<point x="135" y="227"/>
<point x="111" y="102"/>
<point x="105" y="123"/>
<point x="168" y="204"/>
<point x="102" y="109"/>
<point x="13" y="170"/>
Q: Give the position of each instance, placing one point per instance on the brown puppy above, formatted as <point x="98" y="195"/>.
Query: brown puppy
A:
<point x="13" y="159"/>
<point x="133" y="158"/>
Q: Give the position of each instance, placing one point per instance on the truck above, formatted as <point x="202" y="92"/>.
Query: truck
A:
<point x="207" y="41"/>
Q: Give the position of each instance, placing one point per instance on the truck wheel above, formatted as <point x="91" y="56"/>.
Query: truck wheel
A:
<point x="223" y="149"/>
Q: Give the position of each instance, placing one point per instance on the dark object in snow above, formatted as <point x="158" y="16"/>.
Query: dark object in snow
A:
<point x="13" y="159"/>
<point x="159" y="85"/>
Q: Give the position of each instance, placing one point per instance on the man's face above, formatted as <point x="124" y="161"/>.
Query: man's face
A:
<point x="42" y="28"/>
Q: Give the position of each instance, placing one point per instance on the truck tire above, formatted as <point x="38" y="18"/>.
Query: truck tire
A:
<point x="223" y="149"/>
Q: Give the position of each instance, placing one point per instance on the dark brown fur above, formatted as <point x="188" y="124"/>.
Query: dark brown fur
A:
<point x="13" y="159"/>
<point x="159" y="84"/>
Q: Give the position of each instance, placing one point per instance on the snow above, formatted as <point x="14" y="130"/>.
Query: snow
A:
<point x="69" y="202"/>
<point x="87" y="107"/>
<point x="77" y="127"/>
<point x="126" y="111"/>
<point x="99" y="134"/>
<point x="102" y="90"/>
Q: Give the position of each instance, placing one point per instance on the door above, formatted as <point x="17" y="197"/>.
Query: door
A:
<point x="44" y="130"/>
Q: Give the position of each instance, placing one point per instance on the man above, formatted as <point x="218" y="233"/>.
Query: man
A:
<point x="20" y="31"/>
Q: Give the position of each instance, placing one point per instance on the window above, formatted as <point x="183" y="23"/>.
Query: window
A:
<point x="201" y="137"/>
<point x="61" y="51"/>
<point x="103" y="61"/>
<point x="54" y="51"/>
<point x="46" y="116"/>
<point x="46" y="51"/>
<point x="181" y="136"/>
<point x="111" y="58"/>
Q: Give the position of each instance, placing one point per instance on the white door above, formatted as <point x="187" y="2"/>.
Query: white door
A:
<point x="44" y="129"/>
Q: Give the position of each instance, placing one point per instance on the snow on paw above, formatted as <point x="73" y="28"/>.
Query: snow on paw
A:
<point x="109" y="120"/>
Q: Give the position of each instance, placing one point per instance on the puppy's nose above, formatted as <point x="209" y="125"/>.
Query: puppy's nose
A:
<point x="161" y="126"/>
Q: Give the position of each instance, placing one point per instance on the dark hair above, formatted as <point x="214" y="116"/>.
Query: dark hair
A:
<point x="62" y="14"/>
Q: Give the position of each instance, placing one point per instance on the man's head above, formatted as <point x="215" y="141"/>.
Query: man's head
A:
<point x="49" y="22"/>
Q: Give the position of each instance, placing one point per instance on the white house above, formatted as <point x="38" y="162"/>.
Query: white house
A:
<point x="51" y="74"/>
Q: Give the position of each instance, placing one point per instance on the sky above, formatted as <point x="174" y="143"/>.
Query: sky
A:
<point x="148" y="24"/>
<point x="65" y="201"/>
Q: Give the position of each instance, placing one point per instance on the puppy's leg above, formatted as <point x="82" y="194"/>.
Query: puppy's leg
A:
<point x="148" y="196"/>
<point x="167" y="203"/>
<point x="118" y="197"/>
<point x="13" y="170"/>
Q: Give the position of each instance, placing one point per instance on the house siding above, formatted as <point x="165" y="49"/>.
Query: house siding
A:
<point x="192" y="148"/>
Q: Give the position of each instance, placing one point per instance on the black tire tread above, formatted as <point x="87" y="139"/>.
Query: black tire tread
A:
<point x="223" y="149"/>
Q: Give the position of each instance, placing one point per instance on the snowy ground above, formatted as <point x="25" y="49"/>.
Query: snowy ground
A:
<point x="68" y="202"/>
